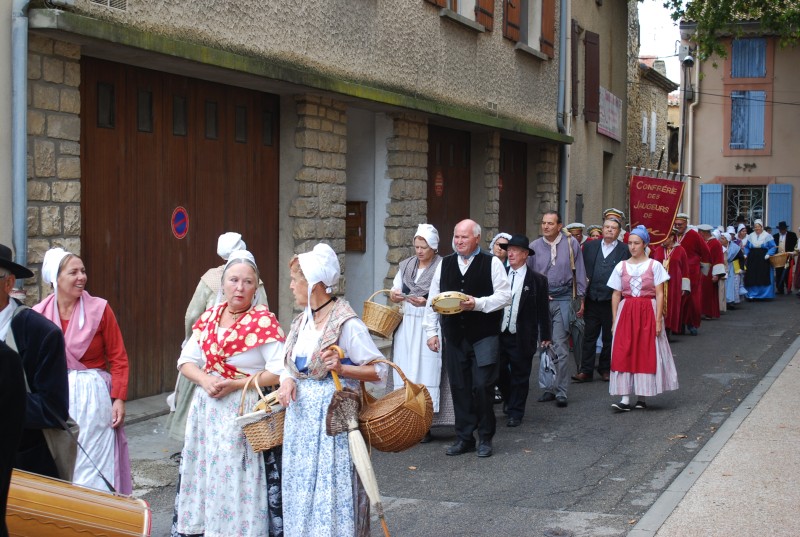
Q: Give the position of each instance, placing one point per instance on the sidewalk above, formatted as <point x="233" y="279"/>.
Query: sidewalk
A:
<point x="744" y="481"/>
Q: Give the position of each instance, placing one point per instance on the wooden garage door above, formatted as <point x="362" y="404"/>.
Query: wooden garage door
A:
<point x="448" y="182"/>
<point x="513" y="187"/>
<point x="153" y="142"/>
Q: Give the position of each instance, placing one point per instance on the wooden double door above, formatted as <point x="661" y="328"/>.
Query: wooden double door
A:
<point x="154" y="143"/>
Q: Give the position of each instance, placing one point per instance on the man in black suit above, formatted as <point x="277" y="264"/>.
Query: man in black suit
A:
<point x="40" y="344"/>
<point x="599" y="258"/>
<point x="12" y="401"/>
<point x="785" y="241"/>
<point x="524" y="322"/>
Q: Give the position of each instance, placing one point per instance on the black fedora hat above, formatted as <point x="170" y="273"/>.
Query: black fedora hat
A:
<point x="782" y="225"/>
<point x="5" y="262"/>
<point x="518" y="240"/>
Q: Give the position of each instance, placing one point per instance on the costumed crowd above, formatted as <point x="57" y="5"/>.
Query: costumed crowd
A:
<point x="612" y="299"/>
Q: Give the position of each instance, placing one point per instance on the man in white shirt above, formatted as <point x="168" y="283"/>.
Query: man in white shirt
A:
<point x="470" y="336"/>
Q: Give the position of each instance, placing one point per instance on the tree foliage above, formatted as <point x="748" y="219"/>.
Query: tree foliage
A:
<point x="720" y="18"/>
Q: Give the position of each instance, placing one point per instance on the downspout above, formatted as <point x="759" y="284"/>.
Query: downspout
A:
<point x="690" y="143"/>
<point x="561" y="112"/>
<point x="19" y="129"/>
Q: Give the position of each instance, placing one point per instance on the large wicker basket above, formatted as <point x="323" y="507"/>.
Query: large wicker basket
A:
<point x="778" y="260"/>
<point x="398" y="420"/>
<point x="263" y="428"/>
<point x="381" y="320"/>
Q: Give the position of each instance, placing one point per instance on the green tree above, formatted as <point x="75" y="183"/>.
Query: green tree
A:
<point x="721" y="18"/>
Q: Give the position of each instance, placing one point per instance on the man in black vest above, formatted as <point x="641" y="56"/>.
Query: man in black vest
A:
<point x="471" y="336"/>
<point x="599" y="258"/>
<point x="525" y="320"/>
<point x="40" y="344"/>
<point x="786" y="241"/>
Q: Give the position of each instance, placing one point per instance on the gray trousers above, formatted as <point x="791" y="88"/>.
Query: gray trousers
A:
<point x="560" y="315"/>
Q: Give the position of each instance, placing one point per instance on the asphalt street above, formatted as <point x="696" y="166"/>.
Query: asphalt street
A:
<point x="583" y="470"/>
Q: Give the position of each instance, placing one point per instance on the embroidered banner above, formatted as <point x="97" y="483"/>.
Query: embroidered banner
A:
<point x="654" y="204"/>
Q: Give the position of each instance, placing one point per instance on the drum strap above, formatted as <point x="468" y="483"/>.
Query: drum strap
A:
<point x="11" y="342"/>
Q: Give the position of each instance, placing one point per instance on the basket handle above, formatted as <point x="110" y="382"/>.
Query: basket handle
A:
<point x="387" y="291"/>
<point x="366" y="398"/>
<point x="254" y="380"/>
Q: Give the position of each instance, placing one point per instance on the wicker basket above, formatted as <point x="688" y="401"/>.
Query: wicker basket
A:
<point x="381" y="320"/>
<point x="398" y="420"/>
<point x="778" y="260"/>
<point x="262" y="428"/>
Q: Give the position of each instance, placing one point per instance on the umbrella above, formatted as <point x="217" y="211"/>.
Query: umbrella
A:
<point x="343" y="416"/>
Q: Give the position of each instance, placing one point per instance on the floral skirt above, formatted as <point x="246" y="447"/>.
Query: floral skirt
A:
<point x="225" y="489"/>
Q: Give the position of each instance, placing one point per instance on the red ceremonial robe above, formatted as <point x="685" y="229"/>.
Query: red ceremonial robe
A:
<point x="710" y="287"/>
<point x="697" y="254"/>
<point x="677" y="265"/>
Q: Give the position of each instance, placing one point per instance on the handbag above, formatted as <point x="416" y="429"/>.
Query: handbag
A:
<point x="547" y="369"/>
<point x="263" y="427"/>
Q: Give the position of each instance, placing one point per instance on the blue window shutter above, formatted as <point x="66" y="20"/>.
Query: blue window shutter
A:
<point x="747" y="119"/>
<point x="711" y="204"/>
<point x="779" y="205"/>
<point x="749" y="58"/>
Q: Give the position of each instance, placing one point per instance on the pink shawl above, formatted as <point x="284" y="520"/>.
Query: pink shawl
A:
<point x="77" y="339"/>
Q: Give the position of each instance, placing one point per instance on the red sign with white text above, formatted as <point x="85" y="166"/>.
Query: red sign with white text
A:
<point x="654" y="204"/>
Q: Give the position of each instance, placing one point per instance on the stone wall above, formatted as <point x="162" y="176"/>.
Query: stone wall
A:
<point x="407" y="164"/>
<point x="54" y="169"/>
<point x="491" y="181"/>
<point x="318" y="211"/>
<point x="546" y="168"/>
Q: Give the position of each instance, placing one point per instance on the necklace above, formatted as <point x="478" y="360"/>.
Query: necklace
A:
<point x="236" y="314"/>
<point x="315" y="310"/>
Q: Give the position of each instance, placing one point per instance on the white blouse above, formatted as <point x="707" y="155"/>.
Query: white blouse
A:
<point x="636" y="271"/>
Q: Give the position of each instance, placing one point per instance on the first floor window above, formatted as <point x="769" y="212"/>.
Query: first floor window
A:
<point x="747" y="119"/>
<point x="746" y="201"/>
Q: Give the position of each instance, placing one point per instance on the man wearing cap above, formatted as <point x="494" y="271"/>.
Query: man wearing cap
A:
<point x="558" y="257"/>
<point x="576" y="230"/>
<point x="40" y="344"/>
<point x="525" y="320"/>
<point x="470" y="337"/>
<point x="711" y="308"/>
<point x="699" y="259"/>
<point x="620" y="216"/>
<point x="786" y="241"/>
<point x="599" y="258"/>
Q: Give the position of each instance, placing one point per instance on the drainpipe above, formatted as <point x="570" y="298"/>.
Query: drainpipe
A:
<point x="562" y="112"/>
<point x="19" y="129"/>
<point x="690" y="133"/>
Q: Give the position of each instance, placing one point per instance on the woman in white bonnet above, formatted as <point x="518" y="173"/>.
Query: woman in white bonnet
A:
<point x="321" y="494"/>
<point x="207" y="294"/>
<point x="98" y="371"/>
<point x="410" y="352"/>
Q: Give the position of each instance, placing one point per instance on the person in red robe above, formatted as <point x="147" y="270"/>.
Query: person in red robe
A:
<point x="674" y="259"/>
<point x="711" y="280"/>
<point x="699" y="260"/>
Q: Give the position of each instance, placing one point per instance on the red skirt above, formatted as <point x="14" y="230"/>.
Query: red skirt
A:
<point x="634" y="346"/>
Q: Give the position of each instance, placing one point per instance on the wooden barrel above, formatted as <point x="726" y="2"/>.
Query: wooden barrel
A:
<point x="39" y="505"/>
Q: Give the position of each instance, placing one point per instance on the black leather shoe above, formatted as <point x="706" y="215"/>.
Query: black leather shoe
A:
<point x="561" y="401"/>
<point x="485" y="448"/>
<point x="460" y="447"/>
<point x="427" y="438"/>
<point x="546" y="397"/>
<point x="514" y="422"/>
<point x="621" y="407"/>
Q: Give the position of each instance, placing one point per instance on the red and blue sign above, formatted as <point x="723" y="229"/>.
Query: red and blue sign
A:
<point x="180" y="222"/>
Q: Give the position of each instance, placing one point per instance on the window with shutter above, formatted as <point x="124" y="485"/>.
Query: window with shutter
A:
<point x="574" y="51"/>
<point x="548" y="37"/>
<point x="711" y="204"/>
<point x="779" y="204"/>
<point x="512" y="19"/>
<point x="591" y="97"/>
<point x="748" y="83"/>
<point x="749" y="58"/>
<point x="747" y="119"/>
<point x="484" y="13"/>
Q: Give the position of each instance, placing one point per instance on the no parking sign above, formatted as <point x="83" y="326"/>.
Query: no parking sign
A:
<point x="180" y="222"/>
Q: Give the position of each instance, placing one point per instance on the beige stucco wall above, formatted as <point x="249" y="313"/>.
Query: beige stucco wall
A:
<point x="6" y="222"/>
<point x="704" y="155"/>
<point x="600" y="188"/>
<point x="394" y="44"/>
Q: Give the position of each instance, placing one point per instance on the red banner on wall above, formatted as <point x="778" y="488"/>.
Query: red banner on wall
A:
<point x="654" y="204"/>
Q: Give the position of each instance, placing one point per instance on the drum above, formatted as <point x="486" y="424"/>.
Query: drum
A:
<point x="39" y="505"/>
<point x="448" y="303"/>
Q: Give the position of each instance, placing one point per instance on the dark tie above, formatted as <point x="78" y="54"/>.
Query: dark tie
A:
<point x="511" y="307"/>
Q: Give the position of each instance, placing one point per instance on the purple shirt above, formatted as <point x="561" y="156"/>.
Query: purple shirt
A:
<point x="559" y="276"/>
